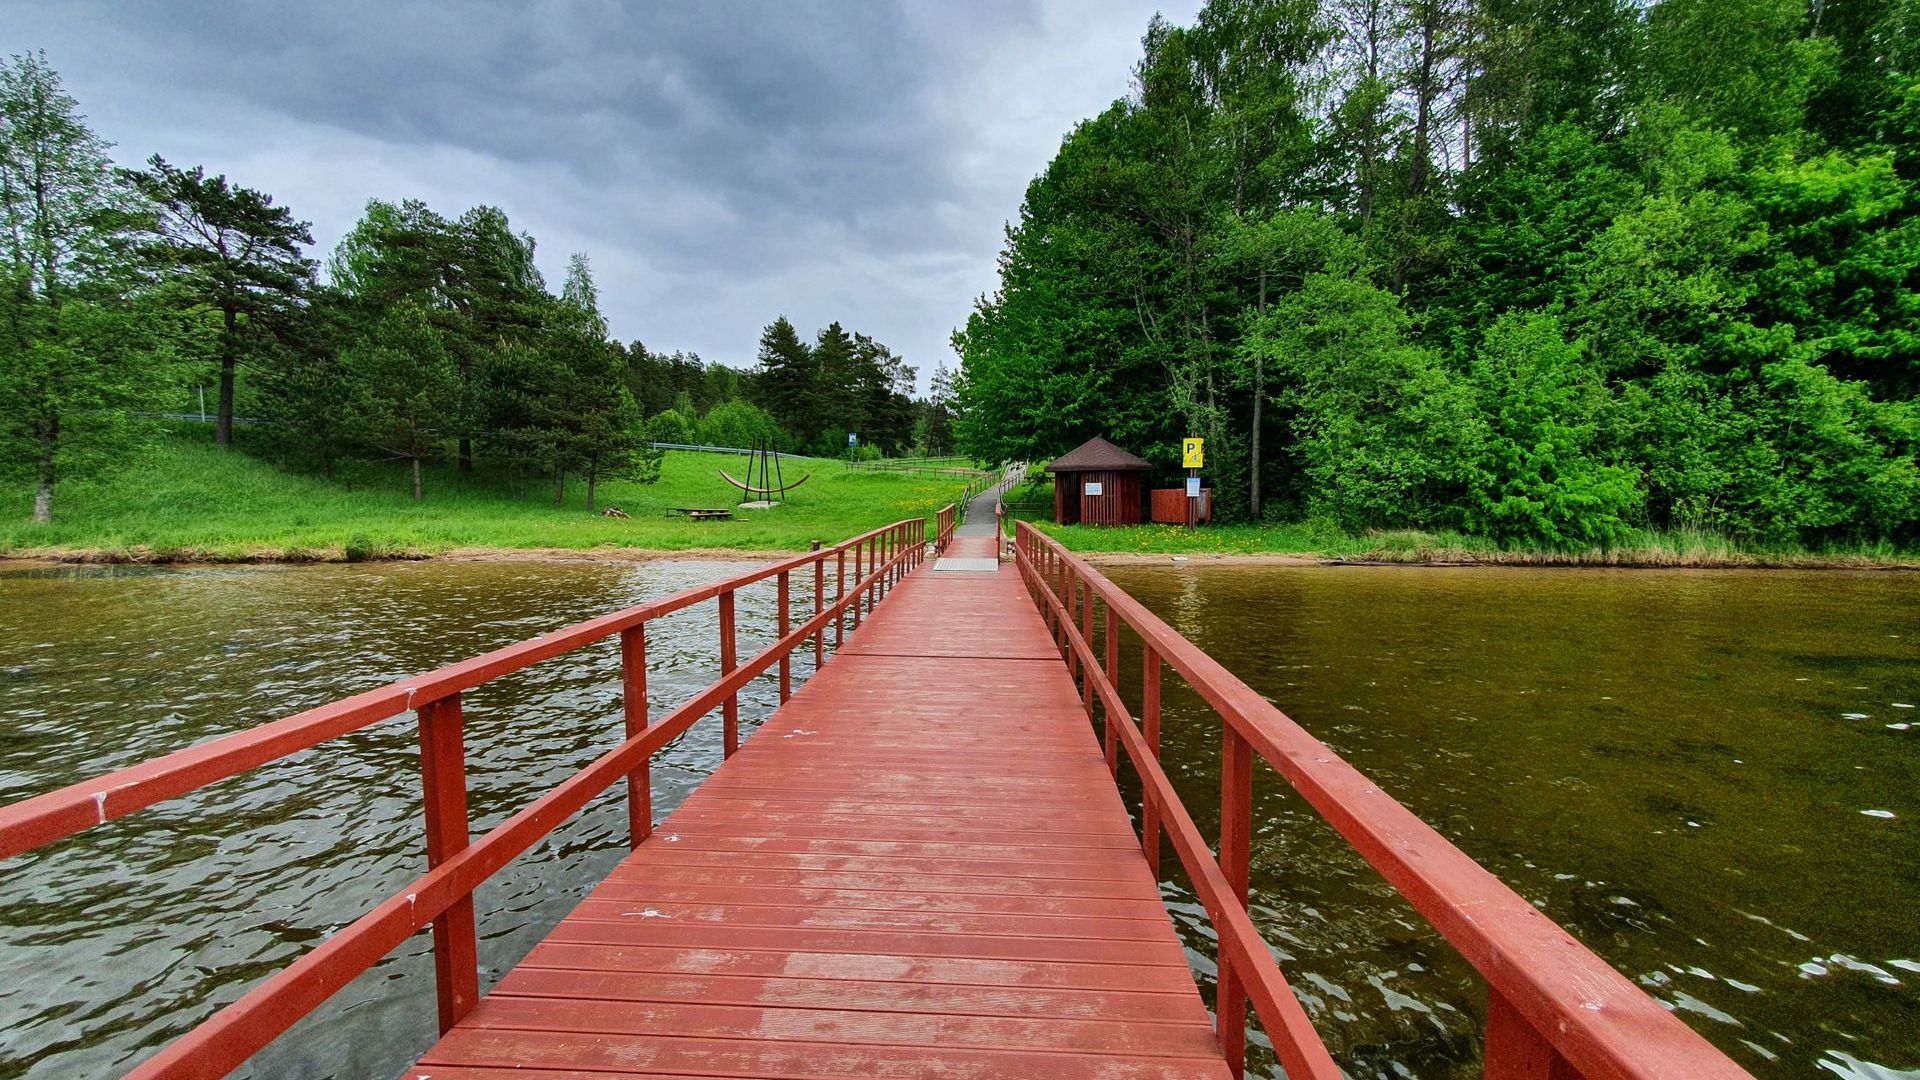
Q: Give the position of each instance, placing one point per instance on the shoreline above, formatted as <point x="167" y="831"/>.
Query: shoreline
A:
<point x="297" y="556"/>
<point x="1509" y="559"/>
<point x="271" y="556"/>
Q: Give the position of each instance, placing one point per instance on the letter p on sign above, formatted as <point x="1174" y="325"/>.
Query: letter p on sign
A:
<point x="1193" y="453"/>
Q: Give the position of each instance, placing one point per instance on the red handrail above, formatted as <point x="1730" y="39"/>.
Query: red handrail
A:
<point x="1555" y="1009"/>
<point x="443" y="897"/>
<point x="943" y="527"/>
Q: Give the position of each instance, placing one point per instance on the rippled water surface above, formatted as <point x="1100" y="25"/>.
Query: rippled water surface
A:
<point x="114" y="942"/>
<point x="1711" y="778"/>
<point x="1677" y="766"/>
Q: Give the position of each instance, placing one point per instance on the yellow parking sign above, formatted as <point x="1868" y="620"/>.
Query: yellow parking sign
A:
<point x="1193" y="453"/>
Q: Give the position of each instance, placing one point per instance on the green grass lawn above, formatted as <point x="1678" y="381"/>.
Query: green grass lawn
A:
<point x="182" y="497"/>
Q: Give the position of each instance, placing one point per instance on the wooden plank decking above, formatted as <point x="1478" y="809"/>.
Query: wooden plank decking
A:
<point x="918" y="867"/>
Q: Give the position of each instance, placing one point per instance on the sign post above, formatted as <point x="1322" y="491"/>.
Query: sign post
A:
<point x="1193" y="455"/>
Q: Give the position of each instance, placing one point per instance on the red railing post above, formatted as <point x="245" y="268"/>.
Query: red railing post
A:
<point x="1236" y="827"/>
<point x="633" y="678"/>
<point x="859" y="574"/>
<point x="1113" y="677"/>
<point x="819" y="605"/>
<point x="840" y="595"/>
<point x="1085" y="589"/>
<point x="1150" y="725"/>
<point x="1514" y="1050"/>
<point x="730" y="711"/>
<point x="443" y="781"/>
<point x="786" y="658"/>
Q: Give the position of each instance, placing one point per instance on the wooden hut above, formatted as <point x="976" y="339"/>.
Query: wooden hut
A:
<point x="1097" y="483"/>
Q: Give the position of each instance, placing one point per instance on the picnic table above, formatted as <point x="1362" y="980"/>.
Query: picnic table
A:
<point x="702" y="513"/>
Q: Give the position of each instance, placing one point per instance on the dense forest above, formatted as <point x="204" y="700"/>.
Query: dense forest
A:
<point x="1548" y="271"/>
<point x="128" y="292"/>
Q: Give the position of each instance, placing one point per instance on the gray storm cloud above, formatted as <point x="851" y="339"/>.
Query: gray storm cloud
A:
<point x="721" y="162"/>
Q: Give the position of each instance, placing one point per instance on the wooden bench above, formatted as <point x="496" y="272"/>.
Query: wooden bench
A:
<point x="701" y="513"/>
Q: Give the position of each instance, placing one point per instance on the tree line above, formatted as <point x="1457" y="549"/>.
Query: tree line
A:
<point x="422" y="336"/>
<point x="1544" y="270"/>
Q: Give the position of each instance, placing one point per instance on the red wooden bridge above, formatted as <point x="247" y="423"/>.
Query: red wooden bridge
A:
<point x="920" y="865"/>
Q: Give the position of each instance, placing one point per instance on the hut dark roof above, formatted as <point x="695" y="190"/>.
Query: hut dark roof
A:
<point x="1097" y="455"/>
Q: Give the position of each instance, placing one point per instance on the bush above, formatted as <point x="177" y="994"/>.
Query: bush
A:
<point x="738" y="424"/>
<point x="671" y="426"/>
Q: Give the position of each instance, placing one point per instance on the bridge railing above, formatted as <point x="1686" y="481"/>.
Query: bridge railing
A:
<point x="1555" y="1010"/>
<point x="943" y="527"/>
<point x="443" y="897"/>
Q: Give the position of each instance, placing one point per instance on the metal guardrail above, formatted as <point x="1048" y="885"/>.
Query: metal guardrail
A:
<point x="1555" y="1011"/>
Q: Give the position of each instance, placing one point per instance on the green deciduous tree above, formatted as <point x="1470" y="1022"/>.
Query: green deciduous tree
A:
<point x="70" y="344"/>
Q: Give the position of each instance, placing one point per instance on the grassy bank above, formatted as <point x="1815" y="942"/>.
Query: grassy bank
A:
<point x="184" y="499"/>
<point x="1316" y="541"/>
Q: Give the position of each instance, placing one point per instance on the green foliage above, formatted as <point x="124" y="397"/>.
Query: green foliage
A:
<point x="403" y="388"/>
<point x="738" y="424"/>
<point x="1559" y="272"/>
<point x="1382" y="433"/>
<point x="1542" y="474"/>
<point x="226" y="249"/>
<point x="843" y="383"/>
<point x="76" y="325"/>
<point x="671" y="426"/>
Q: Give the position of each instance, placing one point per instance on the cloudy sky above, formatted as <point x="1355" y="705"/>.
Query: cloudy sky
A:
<point x="721" y="162"/>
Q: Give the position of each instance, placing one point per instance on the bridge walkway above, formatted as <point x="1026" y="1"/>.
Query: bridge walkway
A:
<point x="919" y="866"/>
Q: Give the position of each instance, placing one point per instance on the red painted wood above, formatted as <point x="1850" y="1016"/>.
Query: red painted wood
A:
<point x="770" y="1057"/>
<point x="786" y="661"/>
<point x="633" y="677"/>
<point x="890" y="995"/>
<point x="456" y="963"/>
<point x="233" y="1034"/>
<point x="1150" y="721"/>
<point x="1236" y="824"/>
<point x="919" y="863"/>
<point x="819" y="602"/>
<point x="730" y="711"/>
<point x="43" y="819"/>
<point x="863" y="968"/>
<point x="1515" y="1051"/>
<point x="1602" y="1023"/>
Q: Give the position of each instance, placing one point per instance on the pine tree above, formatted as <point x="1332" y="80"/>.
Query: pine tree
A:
<point x="227" y="248"/>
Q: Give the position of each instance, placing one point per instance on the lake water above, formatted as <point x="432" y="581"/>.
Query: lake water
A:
<point x="1677" y="766"/>
<point x="1690" y="770"/>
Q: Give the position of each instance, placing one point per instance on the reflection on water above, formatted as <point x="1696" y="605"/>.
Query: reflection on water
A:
<point x="114" y="942"/>
<point x="1712" y="779"/>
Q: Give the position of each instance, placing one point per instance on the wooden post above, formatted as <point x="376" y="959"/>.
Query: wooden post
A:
<point x="1236" y="825"/>
<point x="1514" y="1050"/>
<point x="819" y="605"/>
<point x="839" y="594"/>
<point x="1113" y="677"/>
<point x="1150" y="724"/>
<point x="729" y="712"/>
<point x="443" y="782"/>
<point x="1085" y="588"/>
<point x="860" y="594"/>
<point x="633" y="677"/>
<point x="786" y="658"/>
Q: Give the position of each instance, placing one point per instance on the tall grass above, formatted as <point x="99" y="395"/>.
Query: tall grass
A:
<point x="1646" y="548"/>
